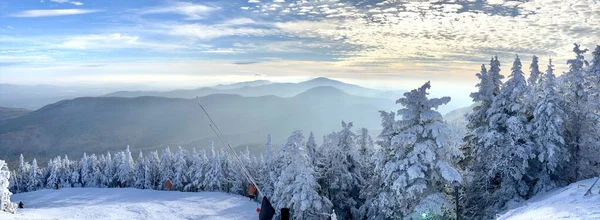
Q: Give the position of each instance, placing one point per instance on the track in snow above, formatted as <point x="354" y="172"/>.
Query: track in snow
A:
<point x="129" y="203"/>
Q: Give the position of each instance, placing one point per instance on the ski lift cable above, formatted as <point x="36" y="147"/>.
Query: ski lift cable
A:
<point x="240" y="162"/>
<point x="224" y="140"/>
<point x="236" y="156"/>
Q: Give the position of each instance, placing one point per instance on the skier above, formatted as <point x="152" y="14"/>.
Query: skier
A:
<point x="55" y="185"/>
<point x="21" y="204"/>
<point x="251" y="191"/>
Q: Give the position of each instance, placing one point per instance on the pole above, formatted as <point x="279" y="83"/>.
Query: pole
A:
<point x="456" y="200"/>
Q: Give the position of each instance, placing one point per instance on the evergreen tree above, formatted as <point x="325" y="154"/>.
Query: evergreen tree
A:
<point x="180" y="168"/>
<point x="297" y="187"/>
<point x="268" y="174"/>
<point x="35" y="177"/>
<point x="343" y="172"/>
<point x="152" y="171"/>
<point x="53" y="170"/>
<point x="580" y="123"/>
<point x="214" y="180"/>
<point x="503" y="156"/>
<point x="139" y="172"/>
<point x="125" y="175"/>
<point x="166" y="168"/>
<point x="311" y="149"/>
<point x="548" y="132"/>
<point x="23" y="174"/>
<point x="417" y="163"/>
<point x="5" y="204"/>
<point x="86" y="171"/>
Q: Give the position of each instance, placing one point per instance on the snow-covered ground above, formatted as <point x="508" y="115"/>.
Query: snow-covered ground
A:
<point x="564" y="203"/>
<point x="129" y="203"/>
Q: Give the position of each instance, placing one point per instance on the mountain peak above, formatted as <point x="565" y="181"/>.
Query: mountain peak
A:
<point x="323" y="91"/>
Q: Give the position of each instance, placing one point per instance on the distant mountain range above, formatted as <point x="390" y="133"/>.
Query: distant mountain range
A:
<point x="12" y="112"/>
<point x="33" y="97"/>
<point x="101" y="124"/>
<point x="263" y="88"/>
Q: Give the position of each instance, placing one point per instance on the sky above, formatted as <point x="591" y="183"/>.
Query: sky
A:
<point x="379" y="44"/>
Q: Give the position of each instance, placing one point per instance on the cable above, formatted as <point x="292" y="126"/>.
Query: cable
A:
<point x="224" y="140"/>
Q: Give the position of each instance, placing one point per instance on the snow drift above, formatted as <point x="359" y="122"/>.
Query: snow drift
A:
<point x="564" y="203"/>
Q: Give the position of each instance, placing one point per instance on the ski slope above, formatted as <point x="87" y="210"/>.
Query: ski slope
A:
<point x="564" y="203"/>
<point x="129" y="203"/>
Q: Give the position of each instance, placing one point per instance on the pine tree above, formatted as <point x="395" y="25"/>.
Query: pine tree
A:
<point x="534" y="80"/>
<point x="365" y="145"/>
<point x="417" y="164"/>
<point x="311" y="149"/>
<point x="35" y="177"/>
<point x="109" y="171"/>
<point x="53" y="170"/>
<point x="23" y="174"/>
<point x="75" y="177"/>
<point x="152" y="171"/>
<point x="502" y="157"/>
<point x="214" y="180"/>
<point x="580" y="127"/>
<point x="5" y="204"/>
<point x="268" y="174"/>
<point x="196" y="171"/>
<point x="180" y="168"/>
<point x="139" y="172"/>
<point x="548" y="132"/>
<point x="297" y="187"/>
<point x="343" y="172"/>
<point x="166" y="168"/>
<point x="86" y="171"/>
<point x="478" y="121"/>
<point x="125" y="169"/>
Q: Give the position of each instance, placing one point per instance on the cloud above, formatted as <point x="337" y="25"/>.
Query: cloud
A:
<point x="51" y="13"/>
<point x="110" y="41"/>
<point x="190" y="10"/>
<point x="67" y="1"/>
<point x="207" y="32"/>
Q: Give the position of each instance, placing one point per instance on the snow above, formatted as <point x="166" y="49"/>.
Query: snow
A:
<point x="565" y="203"/>
<point x="130" y="203"/>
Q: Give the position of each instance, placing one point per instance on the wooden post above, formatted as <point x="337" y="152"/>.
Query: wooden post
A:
<point x="285" y="214"/>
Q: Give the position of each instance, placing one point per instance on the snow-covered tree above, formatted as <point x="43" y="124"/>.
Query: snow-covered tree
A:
<point x="22" y="174"/>
<point x="297" y="187"/>
<point x="268" y="173"/>
<point x="139" y="172"/>
<point x="478" y="120"/>
<point x="581" y="134"/>
<point x="417" y="163"/>
<point x="502" y="157"/>
<point x="108" y="171"/>
<point x="152" y="172"/>
<point x="548" y="131"/>
<point x="53" y="173"/>
<point x="125" y="174"/>
<point x="311" y="149"/>
<point x="343" y="171"/>
<point x="196" y="171"/>
<point x="5" y="204"/>
<point x="35" y="177"/>
<point x="365" y="145"/>
<point x="180" y="169"/>
<point x="215" y="175"/>
<point x="86" y="171"/>
<point x="166" y="167"/>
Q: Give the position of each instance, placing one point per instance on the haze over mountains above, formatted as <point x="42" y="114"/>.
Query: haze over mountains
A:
<point x="246" y="113"/>
<point x="263" y="88"/>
